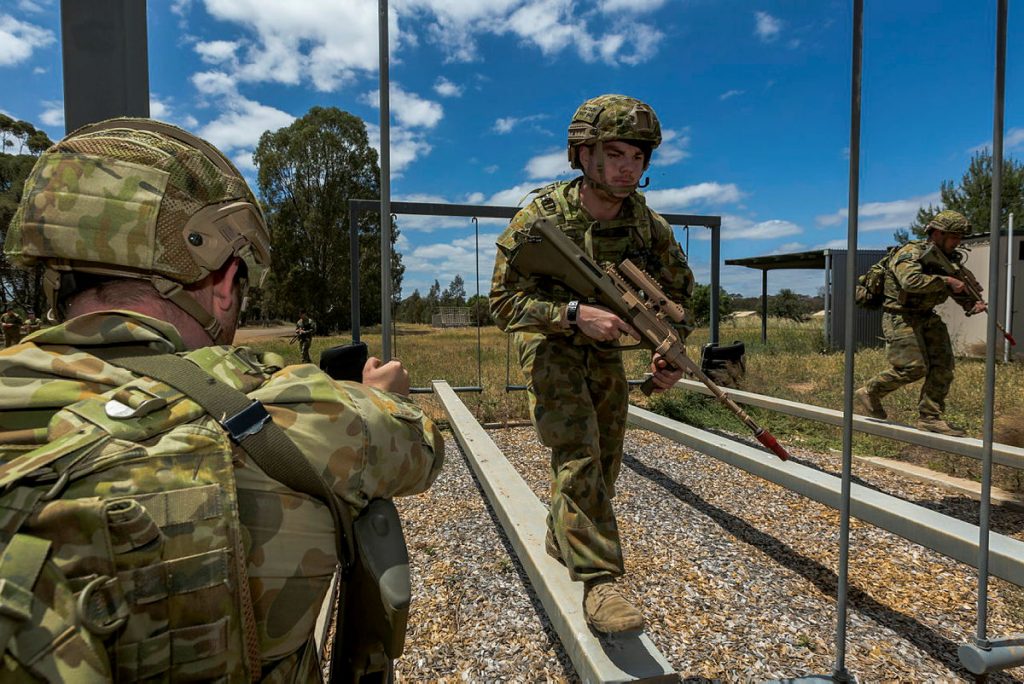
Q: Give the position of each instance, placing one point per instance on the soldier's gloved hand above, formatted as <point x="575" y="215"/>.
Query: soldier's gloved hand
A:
<point x="663" y="377"/>
<point x="979" y="306"/>
<point x="599" y="323"/>
<point x="390" y="376"/>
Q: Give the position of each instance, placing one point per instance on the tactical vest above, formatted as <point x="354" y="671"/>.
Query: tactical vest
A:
<point x="122" y="551"/>
<point x="607" y="242"/>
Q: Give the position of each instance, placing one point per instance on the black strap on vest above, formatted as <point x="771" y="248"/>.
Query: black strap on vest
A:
<point x="250" y="427"/>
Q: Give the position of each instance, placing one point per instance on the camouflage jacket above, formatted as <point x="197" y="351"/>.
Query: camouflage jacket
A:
<point x="368" y="443"/>
<point x="10" y="321"/>
<point x="305" y="327"/>
<point x="911" y="286"/>
<point x="523" y="302"/>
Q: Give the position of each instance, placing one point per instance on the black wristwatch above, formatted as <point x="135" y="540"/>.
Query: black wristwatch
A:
<point x="571" y="311"/>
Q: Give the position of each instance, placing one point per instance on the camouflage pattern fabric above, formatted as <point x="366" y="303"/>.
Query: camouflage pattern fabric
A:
<point x="32" y="323"/>
<point x="11" y="324"/>
<point x="55" y="406"/>
<point x="577" y="390"/>
<point x="917" y="340"/>
<point x="951" y="222"/>
<point x="916" y="346"/>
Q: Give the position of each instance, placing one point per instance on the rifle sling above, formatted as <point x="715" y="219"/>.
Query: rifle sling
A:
<point x="250" y="427"/>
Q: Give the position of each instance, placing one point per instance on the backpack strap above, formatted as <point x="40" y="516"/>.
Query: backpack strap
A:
<point x="20" y="565"/>
<point x="249" y="426"/>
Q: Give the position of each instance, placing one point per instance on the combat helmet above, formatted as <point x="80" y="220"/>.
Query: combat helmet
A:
<point x="951" y="222"/>
<point x="612" y="117"/>
<point x="137" y="198"/>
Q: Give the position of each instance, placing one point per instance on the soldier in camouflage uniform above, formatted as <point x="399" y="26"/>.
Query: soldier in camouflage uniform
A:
<point x="149" y="238"/>
<point x="10" y="321"/>
<point x="304" y="330"/>
<point x="575" y="378"/>
<point x="916" y="339"/>
<point x="32" y="323"/>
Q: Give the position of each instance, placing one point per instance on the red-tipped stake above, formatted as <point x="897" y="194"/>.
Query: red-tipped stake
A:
<point x="768" y="439"/>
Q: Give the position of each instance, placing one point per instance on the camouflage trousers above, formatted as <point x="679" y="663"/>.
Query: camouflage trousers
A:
<point x="917" y="346"/>
<point x="304" y="344"/>
<point x="578" y="403"/>
<point x="11" y="337"/>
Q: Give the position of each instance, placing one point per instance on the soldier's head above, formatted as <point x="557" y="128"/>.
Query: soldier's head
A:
<point x="610" y="139"/>
<point x="129" y="208"/>
<point x="947" y="229"/>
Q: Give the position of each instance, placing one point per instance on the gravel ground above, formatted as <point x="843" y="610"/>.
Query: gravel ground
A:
<point x="736" y="576"/>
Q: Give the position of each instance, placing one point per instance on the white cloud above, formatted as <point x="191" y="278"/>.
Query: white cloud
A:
<point x="730" y="93"/>
<point x="18" y="39"/>
<point x="214" y="83"/>
<point x="409" y="109"/>
<point x="1013" y="139"/>
<point x="444" y="260"/>
<point x="508" y="123"/>
<point x="548" y="166"/>
<point x="767" y="27"/>
<point x="491" y="168"/>
<point x="737" y="228"/>
<point x="883" y="215"/>
<point x="164" y="110"/>
<point x="242" y="121"/>
<point x="39" y="70"/>
<point x="446" y="88"/>
<point x="615" y="6"/>
<point x="673" y="147"/>
<point x="52" y="114"/>
<point x="217" y="51"/>
<point x="406" y="146"/>
<point x="30" y="6"/>
<point x="677" y="199"/>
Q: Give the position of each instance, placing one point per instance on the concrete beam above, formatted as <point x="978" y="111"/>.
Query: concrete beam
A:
<point x="1002" y="454"/>
<point x="522" y="516"/>
<point x="941" y="533"/>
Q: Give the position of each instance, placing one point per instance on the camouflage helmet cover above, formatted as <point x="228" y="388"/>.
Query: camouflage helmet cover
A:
<point x="612" y="117"/>
<point x="951" y="222"/>
<point x="137" y="198"/>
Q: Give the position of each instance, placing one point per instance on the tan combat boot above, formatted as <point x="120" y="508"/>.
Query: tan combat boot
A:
<point x="868" y="404"/>
<point x="936" y="424"/>
<point x="607" y="611"/>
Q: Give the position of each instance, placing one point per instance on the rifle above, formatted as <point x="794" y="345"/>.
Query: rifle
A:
<point x="933" y="256"/>
<point x="633" y="296"/>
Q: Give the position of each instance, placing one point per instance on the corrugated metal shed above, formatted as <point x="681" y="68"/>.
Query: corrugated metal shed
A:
<point x="867" y="324"/>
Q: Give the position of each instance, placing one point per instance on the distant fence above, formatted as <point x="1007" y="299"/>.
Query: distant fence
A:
<point x="451" y="317"/>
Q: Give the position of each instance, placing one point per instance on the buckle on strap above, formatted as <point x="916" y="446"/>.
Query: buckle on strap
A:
<point x="246" y="422"/>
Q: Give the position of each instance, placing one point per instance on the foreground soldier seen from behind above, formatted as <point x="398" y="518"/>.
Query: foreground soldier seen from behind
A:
<point x="916" y="339"/>
<point x="147" y="532"/>
<point x="576" y="382"/>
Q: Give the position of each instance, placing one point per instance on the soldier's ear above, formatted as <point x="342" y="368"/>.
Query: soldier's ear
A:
<point x="224" y="289"/>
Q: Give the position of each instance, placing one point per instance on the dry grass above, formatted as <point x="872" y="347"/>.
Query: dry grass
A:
<point x="790" y="366"/>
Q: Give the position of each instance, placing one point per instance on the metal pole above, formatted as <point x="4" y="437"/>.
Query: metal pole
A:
<point x="1008" y="320"/>
<point x="764" y="306"/>
<point x="479" y="344"/>
<point x="716" y="249"/>
<point x="829" y="314"/>
<point x="990" y="352"/>
<point x="353" y="267"/>
<point x="385" y="182"/>
<point x="840" y="673"/>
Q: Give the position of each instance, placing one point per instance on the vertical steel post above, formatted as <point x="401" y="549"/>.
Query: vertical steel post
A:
<point x="385" y="182"/>
<point x="829" y="313"/>
<point x="839" y="672"/>
<point x="1008" y="320"/>
<point x="105" y="60"/>
<point x="479" y="347"/>
<point x="716" y="267"/>
<point x="764" y="306"/>
<point x="353" y="267"/>
<point x="995" y="223"/>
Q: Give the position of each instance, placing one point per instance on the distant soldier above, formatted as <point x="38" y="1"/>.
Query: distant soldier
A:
<point x="305" y="328"/>
<point x="32" y="323"/>
<point x="11" y="323"/>
<point x="916" y="339"/>
<point x="577" y="384"/>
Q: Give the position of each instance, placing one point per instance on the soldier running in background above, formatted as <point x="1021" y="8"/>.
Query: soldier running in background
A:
<point x="11" y="323"/>
<point x="32" y="323"/>
<point x="916" y="339"/>
<point x="576" y="382"/>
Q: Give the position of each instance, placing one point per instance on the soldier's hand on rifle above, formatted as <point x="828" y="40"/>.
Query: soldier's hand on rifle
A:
<point x="663" y="377"/>
<point x="957" y="286"/>
<point x="979" y="306"/>
<point x="390" y="376"/>
<point x="599" y="323"/>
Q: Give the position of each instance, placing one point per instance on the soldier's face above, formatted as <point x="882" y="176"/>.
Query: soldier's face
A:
<point x="623" y="163"/>
<point x="947" y="242"/>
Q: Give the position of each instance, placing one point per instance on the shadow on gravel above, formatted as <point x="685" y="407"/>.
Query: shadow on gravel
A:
<point x="939" y="647"/>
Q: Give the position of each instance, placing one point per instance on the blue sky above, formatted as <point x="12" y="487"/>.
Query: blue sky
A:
<point x="753" y="98"/>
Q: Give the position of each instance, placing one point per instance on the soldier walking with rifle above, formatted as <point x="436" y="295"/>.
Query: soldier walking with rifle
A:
<point x="566" y="343"/>
<point x="304" y="330"/>
<point x="921" y="275"/>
